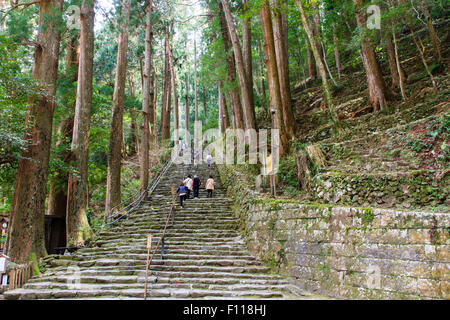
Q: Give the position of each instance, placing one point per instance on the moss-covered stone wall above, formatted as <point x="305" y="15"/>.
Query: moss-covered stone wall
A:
<point x="358" y="253"/>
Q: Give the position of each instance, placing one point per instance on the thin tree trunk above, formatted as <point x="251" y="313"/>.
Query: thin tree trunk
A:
<point x="154" y="131"/>
<point x="186" y="97"/>
<point x="323" y="75"/>
<point x="78" y="229"/>
<point x="326" y="64"/>
<point x="250" y="122"/>
<point x="337" y="56"/>
<point x="26" y="229"/>
<point x="147" y="103"/>
<point x="175" y="98"/>
<point x="280" y="39"/>
<point x="400" y="71"/>
<point x="272" y="74"/>
<point x="113" y="185"/>
<point x="195" y="81"/>
<point x="421" y="49"/>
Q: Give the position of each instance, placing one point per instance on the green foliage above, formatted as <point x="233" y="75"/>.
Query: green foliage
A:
<point x="288" y="172"/>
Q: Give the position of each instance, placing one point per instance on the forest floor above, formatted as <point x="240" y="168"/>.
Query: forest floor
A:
<point x="397" y="157"/>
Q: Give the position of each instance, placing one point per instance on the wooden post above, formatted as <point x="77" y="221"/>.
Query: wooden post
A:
<point x="149" y="246"/>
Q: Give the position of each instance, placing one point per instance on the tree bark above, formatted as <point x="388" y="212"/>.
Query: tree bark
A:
<point x="323" y="75"/>
<point x="272" y="74"/>
<point x="390" y="51"/>
<point x="247" y="55"/>
<point x="280" y="39"/>
<point x="175" y="98"/>
<point x="77" y="226"/>
<point x="166" y="105"/>
<point x="195" y="82"/>
<point x="378" y="93"/>
<point x="337" y="56"/>
<point x="26" y="229"/>
<point x="249" y="119"/>
<point x="223" y="110"/>
<point x="113" y="186"/>
<point x="235" y="99"/>
<point x="186" y="97"/>
<point x="134" y="138"/>
<point x="147" y="103"/>
<point x="57" y="197"/>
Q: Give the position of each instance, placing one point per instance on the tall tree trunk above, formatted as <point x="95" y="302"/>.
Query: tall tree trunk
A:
<point x="224" y="120"/>
<point x="134" y="139"/>
<point x="154" y="132"/>
<point x="235" y="99"/>
<point x="401" y="73"/>
<point x="337" y="56"/>
<point x="147" y="103"/>
<point x="247" y="55"/>
<point x="390" y="51"/>
<point x="195" y="81"/>
<point x="57" y="197"/>
<point x="280" y="39"/>
<point x="311" y="65"/>
<point x="26" y="230"/>
<point x="323" y="75"/>
<point x="186" y="97"/>
<point x="272" y="74"/>
<point x="378" y="93"/>
<point x="166" y="105"/>
<point x="434" y="38"/>
<point x="261" y="70"/>
<point x="77" y="226"/>
<point x="249" y="119"/>
<point x="113" y="190"/>
<point x="175" y="98"/>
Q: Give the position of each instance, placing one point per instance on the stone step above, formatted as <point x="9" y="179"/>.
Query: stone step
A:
<point x="29" y="294"/>
<point x="168" y="250"/>
<point x="104" y="271"/>
<point x="169" y="256"/>
<point x="110" y="261"/>
<point x="156" y="286"/>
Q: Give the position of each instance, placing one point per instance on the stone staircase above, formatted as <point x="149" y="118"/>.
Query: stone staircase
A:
<point x="204" y="256"/>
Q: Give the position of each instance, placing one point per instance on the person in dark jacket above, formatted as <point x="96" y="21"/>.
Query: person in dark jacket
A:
<point x="196" y="185"/>
<point x="182" y="191"/>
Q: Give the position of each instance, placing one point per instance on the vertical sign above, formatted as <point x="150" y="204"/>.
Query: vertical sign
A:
<point x="149" y="241"/>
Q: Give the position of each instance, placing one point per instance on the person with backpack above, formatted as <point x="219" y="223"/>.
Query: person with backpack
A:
<point x="196" y="183"/>
<point x="209" y="186"/>
<point x="188" y="183"/>
<point x="182" y="191"/>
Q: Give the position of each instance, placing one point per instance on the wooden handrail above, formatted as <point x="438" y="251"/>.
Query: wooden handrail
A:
<point x="149" y="262"/>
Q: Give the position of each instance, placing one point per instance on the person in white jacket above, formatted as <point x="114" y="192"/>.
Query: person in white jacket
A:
<point x="189" y="185"/>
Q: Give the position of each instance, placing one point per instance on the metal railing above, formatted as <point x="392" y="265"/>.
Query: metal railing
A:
<point x="161" y="241"/>
<point x="125" y="211"/>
